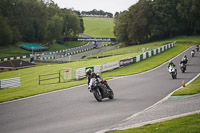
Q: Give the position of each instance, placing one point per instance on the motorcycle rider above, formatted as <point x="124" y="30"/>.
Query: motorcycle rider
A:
<point x="184" y="60"/>
<point x="192" y="52"/>
<point x="172" y="64"/>
<point x="91" y="75"/>
<point x="197" y="48"/>
<point x="184" y="63"/>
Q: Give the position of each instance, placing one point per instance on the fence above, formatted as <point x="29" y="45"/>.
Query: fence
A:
<point x="9" y="83"/>
<point x="40" y="77"/>
<point x="80" y="73"/>
<point x="68" y="74"/>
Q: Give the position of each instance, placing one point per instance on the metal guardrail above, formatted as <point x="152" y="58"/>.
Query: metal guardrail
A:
<point x="9" y="83"/>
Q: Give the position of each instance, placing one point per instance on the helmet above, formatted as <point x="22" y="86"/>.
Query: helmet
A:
<point x="88" y="72"/>
<point x="170" y="61"/>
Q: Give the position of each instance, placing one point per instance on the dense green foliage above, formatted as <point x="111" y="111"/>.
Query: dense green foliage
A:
<point x="150" y="20"/>
<point x="36" y="21"/>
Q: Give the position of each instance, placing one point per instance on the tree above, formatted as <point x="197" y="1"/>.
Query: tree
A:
<point x="165" y="21"/>
<point x="82" y="25"/>
<point x="71" y="25"/>
<point x="120" y="28"/>
<point x="5" y="32"/>
<point x="189" y="12"/>
<point x="54" y="28"/>
<point x="116" y="14"/>
<point x="138" y="22"/>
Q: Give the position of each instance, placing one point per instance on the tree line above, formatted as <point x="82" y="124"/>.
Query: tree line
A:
<point x="36" y="21"/>
<point x="95" y="12"/>
<point x="150" y="20"/>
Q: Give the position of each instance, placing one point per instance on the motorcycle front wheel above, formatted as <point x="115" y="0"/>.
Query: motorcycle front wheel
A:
<point x="97" y="95"/>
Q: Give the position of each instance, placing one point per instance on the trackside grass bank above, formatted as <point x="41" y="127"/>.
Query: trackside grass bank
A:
<point x="29" y="77"/>
<point x="187" y="124"/>
<point x="99" y="27"/>
<point x="192" y="88"/>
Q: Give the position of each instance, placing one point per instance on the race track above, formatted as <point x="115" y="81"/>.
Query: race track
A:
<point x="75" y="110"/>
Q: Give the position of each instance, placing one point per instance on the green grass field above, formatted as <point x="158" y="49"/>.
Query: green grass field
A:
<point x="29" y="76"/>
<point x="187" y="124"/>
<point x="99" y="27"/>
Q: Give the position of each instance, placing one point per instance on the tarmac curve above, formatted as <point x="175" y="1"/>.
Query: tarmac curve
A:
<point x="75" y="110"/>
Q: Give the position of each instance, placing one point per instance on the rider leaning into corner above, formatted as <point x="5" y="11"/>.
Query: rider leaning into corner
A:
<point x="91" y="75"/>
<point x="184" y="60"/>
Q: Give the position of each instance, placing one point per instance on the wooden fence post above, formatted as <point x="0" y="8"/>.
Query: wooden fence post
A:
<point x="39" y="79"/>
<point x="59" y="76"/>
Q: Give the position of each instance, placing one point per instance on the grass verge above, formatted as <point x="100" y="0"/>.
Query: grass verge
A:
<point x="192" y="88"/>
<point x="187" y="124"/>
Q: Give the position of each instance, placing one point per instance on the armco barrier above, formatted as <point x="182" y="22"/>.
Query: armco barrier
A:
<point x="138" y="58"/>
<point x="134" y="59"/>
<point x="126" y="62"/>
<point x="149" y="53"/>
<point x="80" y="73"/>
<point x="110" y="66"/>
<point x="9" y="83"/>
<point x="98" y="69"/>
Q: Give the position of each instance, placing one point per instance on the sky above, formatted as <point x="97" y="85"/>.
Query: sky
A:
<point x="111" y="6"/>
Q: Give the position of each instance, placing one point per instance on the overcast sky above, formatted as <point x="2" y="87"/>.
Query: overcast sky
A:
<point x="88" y="5"/>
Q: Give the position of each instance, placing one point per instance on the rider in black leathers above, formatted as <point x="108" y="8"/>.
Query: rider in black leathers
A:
<point x="197" y="48"/>
<point x="91" y="75"/>
<point x="184" y="60"/>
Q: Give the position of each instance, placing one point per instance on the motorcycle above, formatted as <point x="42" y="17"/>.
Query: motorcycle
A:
<point x="100" y="90"/>
<point x="185" y="60"/>
<point x="192" y="53"/>
<point x="173" y="72"/>
<point x="197" y="48"/>
<point x="183" y="67"/>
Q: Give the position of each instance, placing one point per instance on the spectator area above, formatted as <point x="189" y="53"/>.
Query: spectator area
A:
<point x="33" y="47"/>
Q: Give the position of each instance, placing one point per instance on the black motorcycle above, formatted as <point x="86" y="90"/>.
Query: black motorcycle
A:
<point x="192" y="53"/>
<point x="100" y="90"/>
<point x="182" y="67"/>
<point x="197" y="48"/>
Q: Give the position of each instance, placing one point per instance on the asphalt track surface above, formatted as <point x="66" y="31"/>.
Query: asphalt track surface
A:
<point x="75" y="110"/>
